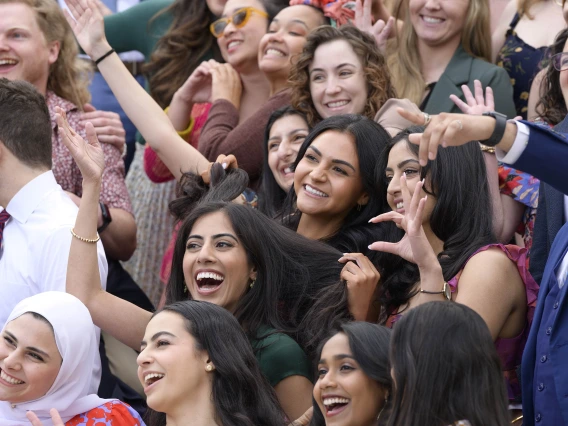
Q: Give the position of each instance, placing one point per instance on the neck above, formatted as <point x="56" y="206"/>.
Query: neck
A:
<point x="278" y="82"/>
<point x="199" y="411"/>
<point x="435" y="59"/>
<point x="11" y="183"/>
<point x="255" y="83"/>
<point x="318" y="228"/>
<point x="435" y="242"/>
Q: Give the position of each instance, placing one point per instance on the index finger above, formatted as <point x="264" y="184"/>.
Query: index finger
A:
<point x="358" y="258"/>
<point x="55" y="417"/>
<point x="34" y="420"/>
<point x="415" y="117"/>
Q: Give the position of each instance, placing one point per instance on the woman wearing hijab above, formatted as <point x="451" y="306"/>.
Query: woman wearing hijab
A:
<point x="47" y="352"/>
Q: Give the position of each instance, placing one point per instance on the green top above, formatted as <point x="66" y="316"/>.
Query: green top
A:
<point x="280" y="356"/>
<point x="132" y="29"/>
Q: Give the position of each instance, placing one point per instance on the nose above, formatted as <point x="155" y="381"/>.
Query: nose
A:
<point x="206" y="254"/>
<point x="285" y="150"/>
<point x="144" y="357"/>
<point x="394" y="186"/>
<point x="432" y="4"/>
<point x="12" y="362"/>
<point x="332" y="86"/>
<point x="229" y="30"/>
<point x="327" y="381"/>
<point x="318" y="174"/>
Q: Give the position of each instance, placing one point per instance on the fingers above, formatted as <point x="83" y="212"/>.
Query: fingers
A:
<point x="228" y="161"/>
<point x="55" y="417"/>
<point x="468" y="95"/>
<point x="480" y="99"/>
<point x="385" y="31"/>
<point x="389" y="216"/>
<point x="367" y="12"/>
<point x="91" y="135"/>
<point x="385" y="247"/>
<point x="405" y="193"/>
<point x="359" y="13"/>
<point x="89" y="108"/>
<point x="361" y="260"/>
<point x="414" y="117"/>
<point x="460" y="104"/>
<point x="34" y="420"/>
<point x="415" y="198"/>
<point x="419" y="216"/>
<point x="489" y="98"/>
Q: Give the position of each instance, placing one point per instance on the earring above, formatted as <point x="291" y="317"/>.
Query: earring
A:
<point x="359" y="206"/>
<point x="185" y="290"/>
<point x="252" y="284"/>
<point x="209" y="367"/>
<point x="382" y="409"/>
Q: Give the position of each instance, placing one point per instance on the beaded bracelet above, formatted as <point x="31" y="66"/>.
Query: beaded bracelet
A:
<point x="85" y="240"/>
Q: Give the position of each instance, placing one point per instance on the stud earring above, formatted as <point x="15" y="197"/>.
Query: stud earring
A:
<point x="209" y="367"/>
<point x="252" y="284"/>
<point x="185" y="290"/>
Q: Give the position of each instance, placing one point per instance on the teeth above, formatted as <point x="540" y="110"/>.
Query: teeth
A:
<point x="287" y="170"/>
<point x="210" y="275"/>
<point x="337" y="104"/>
<point x="8" y="62"/>
<point x="331" y="401"/>
<point x="400" y="205"/>
<point x="315" y="191"/>
<point x="152" y="376"/>
<point x="233" y="44"/>
<point x="431" y="20"/>
<point x="9" y="379"/>
<point x="274" y="52"/>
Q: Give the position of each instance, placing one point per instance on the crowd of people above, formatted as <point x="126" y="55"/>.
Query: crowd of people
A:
<point x="305" y="212"/>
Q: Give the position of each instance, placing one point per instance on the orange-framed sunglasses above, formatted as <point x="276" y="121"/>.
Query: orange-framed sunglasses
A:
<point x="239" y="20"/>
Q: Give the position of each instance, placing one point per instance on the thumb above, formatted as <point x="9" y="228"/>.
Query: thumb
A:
<point x="91" y="135"/>
<point x="88" y="108"/>
<point x="385" y="247"/>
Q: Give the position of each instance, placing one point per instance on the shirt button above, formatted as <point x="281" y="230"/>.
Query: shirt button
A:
<point x="548" y="331"/>
<point x="538" y="417"/>
<point x="543" y="358"/>
<point x="541" y="387"/>
<point x="555" y="305"/>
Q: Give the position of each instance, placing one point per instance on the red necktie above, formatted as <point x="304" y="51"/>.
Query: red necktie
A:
<point x="4" y="216"/>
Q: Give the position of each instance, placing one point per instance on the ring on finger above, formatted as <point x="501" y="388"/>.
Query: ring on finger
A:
<point x="427" y="118"/>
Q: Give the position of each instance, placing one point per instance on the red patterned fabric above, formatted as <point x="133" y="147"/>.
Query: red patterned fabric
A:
<point x="113" y="413"/>
<point x="67" y="173"/>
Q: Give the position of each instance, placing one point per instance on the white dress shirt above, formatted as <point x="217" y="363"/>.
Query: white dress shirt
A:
<point x="36" y="244"/>
<point x="511" y="157"/>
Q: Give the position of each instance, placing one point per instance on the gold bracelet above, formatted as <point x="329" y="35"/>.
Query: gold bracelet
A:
<point x="85" y="240"/>
<point x="487" y="149"/>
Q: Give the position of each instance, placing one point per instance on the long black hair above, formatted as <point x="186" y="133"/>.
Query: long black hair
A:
<point x="270" y="196"/>
<point x="461" y="218"/>
<point x="552" y="106"/>
<point x="445" y="369"/>
<point x="241" y="395"/>
<point x="369" y="344"/>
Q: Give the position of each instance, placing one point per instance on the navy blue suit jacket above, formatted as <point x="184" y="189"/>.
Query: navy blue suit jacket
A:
<point x="546" y="157"/>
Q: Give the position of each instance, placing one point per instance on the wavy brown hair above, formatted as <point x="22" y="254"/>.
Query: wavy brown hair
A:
<point x="403" y="56"/>
<point x="69" y="75"/>
<point x="551" y="106"/>
<point x="379" y="86"/>
<point x="181" y="49"/>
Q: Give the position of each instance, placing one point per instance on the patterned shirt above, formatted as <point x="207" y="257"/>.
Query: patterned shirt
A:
<point x="66" y="171"/>
<point x="113" y="413"/>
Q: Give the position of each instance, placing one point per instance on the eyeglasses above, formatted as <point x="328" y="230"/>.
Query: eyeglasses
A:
<point x="560" y="61"/>
<point x="239" y="20"/>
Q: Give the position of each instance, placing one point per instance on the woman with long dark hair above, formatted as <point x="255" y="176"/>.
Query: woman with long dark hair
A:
<point x="445" y="369"/>
<point x="354" y="377"/>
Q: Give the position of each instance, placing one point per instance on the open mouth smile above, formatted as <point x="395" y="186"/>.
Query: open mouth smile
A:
<point x="334" y="406"/>
<point x="208" y="282"/>
<point x="310" y="190"/>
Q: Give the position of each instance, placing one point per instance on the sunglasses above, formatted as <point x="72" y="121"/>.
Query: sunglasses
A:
<point x="560" y="61"/>
<point x="239" y="20"/>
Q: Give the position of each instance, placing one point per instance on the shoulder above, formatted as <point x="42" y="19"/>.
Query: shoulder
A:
<point x="112" y="413"/>
<point x="485" y="71"/>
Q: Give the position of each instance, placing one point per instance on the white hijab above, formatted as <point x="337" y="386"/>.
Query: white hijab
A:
<point x="77" y="343"/>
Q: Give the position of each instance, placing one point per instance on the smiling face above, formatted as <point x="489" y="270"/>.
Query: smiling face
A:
<point x="403" y="161"/>
<point x="337" y="81"/>
<point x="345" y="395"/>
<point x="170" y="367"/>
<point x="286" y="137"/>
<point x="438" y="22"/>
<point x="285" y="38"/>
<point x="327" y="180"/>
<point x="239" y="46"/>
<point x="24" y="52"/>
<point x="29" y="360"/>
<point x="215" y="264"/>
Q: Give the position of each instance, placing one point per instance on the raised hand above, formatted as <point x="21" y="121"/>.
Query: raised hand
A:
<point x="227" y="161"/>
<point x="87" y="23"/>
<point x="381" y="31"/>
<point x="362" y="279"/>
<point x="107" y="124"/>
<point x="478" y="104"/>
<point x="88" y="155"/>
<point x="304" y="419"/>
<point x="55" y="418"/>
<point x="226" y="84"/>
<point x="197" y="88"/>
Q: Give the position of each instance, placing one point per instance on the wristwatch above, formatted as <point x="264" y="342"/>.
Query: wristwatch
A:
<point x="107" y="219"/>
<point x="446" y="291"/>
<point x="499" y="131"/>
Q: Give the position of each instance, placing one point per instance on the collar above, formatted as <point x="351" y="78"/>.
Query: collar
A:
<point x="23" y="204"/>
<point x="52" y="101"/>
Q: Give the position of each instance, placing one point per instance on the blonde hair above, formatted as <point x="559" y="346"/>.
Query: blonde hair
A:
<point x="69" y="75"/>
<point x="404" y="58"/>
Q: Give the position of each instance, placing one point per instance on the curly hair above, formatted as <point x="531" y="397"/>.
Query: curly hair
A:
<point x="551" y="106"/>
<point x="69" y="76"/>
<point x="379" y="88"/>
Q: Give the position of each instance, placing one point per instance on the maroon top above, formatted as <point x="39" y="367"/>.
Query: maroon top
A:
<point x="223" y="135"/>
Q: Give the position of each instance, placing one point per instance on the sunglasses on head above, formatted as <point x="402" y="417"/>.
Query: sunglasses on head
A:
<point x="560" y="61"/>
<point x="239" y="19"/>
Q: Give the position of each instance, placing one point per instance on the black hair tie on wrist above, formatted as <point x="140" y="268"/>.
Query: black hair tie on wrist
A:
<point x="98" y="61"/>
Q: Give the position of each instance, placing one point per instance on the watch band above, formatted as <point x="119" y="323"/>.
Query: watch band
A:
<point x="446" y="291"/>
<point x="107" y="219"/>
<point x="499" y="131"/>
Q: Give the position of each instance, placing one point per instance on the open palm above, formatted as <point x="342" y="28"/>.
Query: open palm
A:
<point x="87" y="23"/>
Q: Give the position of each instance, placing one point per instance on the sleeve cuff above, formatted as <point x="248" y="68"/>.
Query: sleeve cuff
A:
<point x="518" y="147"/>
<point x="184" y="133"/>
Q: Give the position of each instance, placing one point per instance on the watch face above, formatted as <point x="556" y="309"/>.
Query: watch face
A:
<point x="447" y="291"/>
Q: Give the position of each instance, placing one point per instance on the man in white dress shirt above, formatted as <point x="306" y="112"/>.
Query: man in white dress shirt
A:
<point x="35" y="224"/>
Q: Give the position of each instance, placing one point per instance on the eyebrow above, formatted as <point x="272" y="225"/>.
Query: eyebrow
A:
<point x="338" y="357"/>
<point x="337" y="67"/>
<point x="157" y="336"/>
<point x="199" y="237"/>
<point x="291" y="133"/>
<point x="334" y="161"/>
<point x="403" y="163"/>
<point x="30" y="348"/>
<point x="296" y="21"/>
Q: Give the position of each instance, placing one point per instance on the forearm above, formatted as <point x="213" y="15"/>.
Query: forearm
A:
<point x="148" y="117"/>
<point x="119" y="238"/>
<point x="179" y="112"/>
<point x="432" y="281"/>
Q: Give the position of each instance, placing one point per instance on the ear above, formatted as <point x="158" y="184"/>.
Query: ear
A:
<point x="54" y="48"/>
<point x="363" y="199"/>
<point x="209" y="366"/>
<point x="253" y="274"/>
